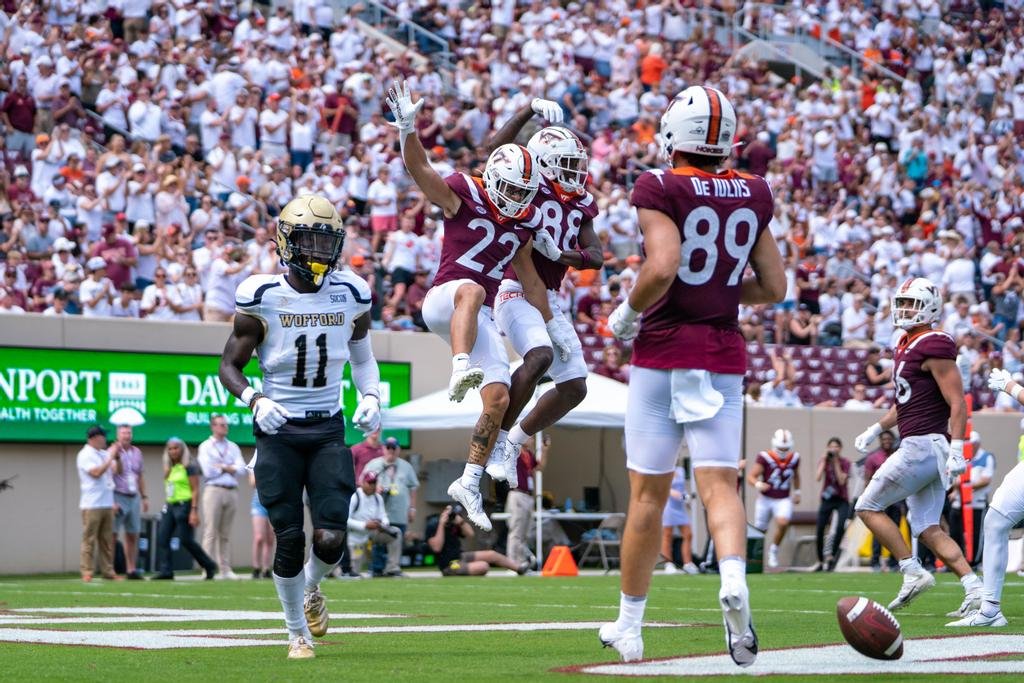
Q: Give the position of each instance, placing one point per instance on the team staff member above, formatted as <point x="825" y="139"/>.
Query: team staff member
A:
<point x="130" y="499"/>
<point x="181" y="510"/>
<point x="397" y="483"/>
<point x="833" y="471"/>
<point x="304" y="325"/>
<point x="221" y="462"/>
<point x="520" y="503"/>
<point x="96" y="467"/>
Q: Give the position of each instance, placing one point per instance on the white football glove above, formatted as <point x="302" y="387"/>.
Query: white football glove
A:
<point x="998" y="379"/>
<point x="269" y="415"/>
<point x="552" y="111"/>
<point x="624" y="321"/>
<point x="955" y="463"/>
<point x="863" y="442"/>
<point x="561" y="339"/>
<point x="367" y="415"/>
<point x="545" y="244"/>
<point x="404" y="109"/>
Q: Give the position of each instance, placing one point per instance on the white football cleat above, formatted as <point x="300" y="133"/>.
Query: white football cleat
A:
<point x="472" y="501"/>
<point x="740" y="637"/>
<point x="502" y="463"/>
<point x="971" y="603"/>
<point x="690" y="568"/>
<point x="300" y="648"/>
<point x="773" y="556"/>
<point x="629" y="644"/>
<point x="913" y="585"/>
<point x="315" y="608"/>
<point x="462" y="381"/>
<point x="977" y="619"/>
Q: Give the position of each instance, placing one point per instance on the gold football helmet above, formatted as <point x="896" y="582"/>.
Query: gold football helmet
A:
<point x="310" y="237"/>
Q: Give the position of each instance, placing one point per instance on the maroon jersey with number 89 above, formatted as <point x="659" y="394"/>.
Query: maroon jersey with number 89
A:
<point x="478" y="242"/>
<point x="720" y="217"/>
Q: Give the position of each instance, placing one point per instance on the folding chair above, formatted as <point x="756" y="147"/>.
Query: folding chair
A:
<point x="604" y="541"/>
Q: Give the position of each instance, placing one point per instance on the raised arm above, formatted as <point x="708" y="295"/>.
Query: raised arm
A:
<point x="552" y="111"/>
<point x="415" y="157"/>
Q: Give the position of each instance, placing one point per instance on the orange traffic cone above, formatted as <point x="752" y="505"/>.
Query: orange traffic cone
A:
<point x="560" y="563"/>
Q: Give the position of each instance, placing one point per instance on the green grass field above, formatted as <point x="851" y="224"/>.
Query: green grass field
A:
<point x="790" y="610"/>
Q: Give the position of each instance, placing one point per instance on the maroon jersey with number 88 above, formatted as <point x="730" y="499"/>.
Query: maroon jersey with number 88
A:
<point x="478" y="242"/>
<point x="720" y="217"/>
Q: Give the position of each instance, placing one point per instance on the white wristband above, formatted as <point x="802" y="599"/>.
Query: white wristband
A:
<point x="247" y="395"/>
<point x="1017" y="389"/>
<point x="631" y="313"/>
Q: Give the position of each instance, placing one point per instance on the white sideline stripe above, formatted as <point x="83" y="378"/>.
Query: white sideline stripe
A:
<point x="173" y="614"/>
<point x="172" y="639"/>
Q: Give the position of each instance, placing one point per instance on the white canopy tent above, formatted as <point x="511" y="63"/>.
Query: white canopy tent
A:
<point x="603" y="407"/>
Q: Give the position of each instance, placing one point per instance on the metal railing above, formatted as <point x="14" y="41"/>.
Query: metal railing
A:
<point x="427" y="43"/>
<point x="832" y="51"/>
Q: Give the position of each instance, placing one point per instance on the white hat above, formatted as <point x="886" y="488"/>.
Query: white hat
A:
<point x="139" y="167"/>
<point x="63" y="244"/>
<point x="95" y="263"/>
<point x="329" y="89"/>
<point x="20" y="171"/>
<point x="44" y="61"/>
<point x="112" y="162"/>
<point x="142" y="225"/>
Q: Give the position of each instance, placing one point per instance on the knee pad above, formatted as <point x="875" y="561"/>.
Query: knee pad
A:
<point x="328" y="544"/>
<point x="290" y="554"/>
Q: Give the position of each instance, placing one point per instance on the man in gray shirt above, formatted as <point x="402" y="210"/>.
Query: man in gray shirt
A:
<point x="397" y="483"/>
<point x="129" y="499"/>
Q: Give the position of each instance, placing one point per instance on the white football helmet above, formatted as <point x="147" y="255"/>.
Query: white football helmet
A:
<point x="915" y="303"/>
<point x="511" y="179"/>
<point x="782" y="441"/>
<point x="561" y="157"/>
<point x="699" y="120"/>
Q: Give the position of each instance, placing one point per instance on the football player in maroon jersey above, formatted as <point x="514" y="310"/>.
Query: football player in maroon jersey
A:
<point x="564" y="237"/>
<point x="702" y="228"/>
<point x="932" y="415"/>
<point x="776" y="476"/>
<point x="483" y="234"/>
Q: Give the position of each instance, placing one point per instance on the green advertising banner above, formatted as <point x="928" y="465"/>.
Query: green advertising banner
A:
<point x="53" y="395"/>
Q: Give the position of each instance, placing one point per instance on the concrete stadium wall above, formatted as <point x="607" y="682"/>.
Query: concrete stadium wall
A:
<point x="41" y="531"/>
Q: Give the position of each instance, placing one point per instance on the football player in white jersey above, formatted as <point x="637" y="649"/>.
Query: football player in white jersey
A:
<point x="304" y="325"/>
<point x="564" y="237"/>
<point x="1004" y="512"/>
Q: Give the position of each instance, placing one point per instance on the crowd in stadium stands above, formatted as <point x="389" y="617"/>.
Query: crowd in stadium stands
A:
<point x="148" y="145"/>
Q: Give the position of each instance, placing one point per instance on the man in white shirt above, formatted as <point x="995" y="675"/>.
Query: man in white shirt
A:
<point x="224" y="164"/>
<point x="368" y="520"/>
<point x="222" y="465"/>
<point x="226" y="272"/>
<point x="97" y="465"/>
<point x="210" y="125"/>
<point x="144" y="117"/>
<point x="273" y="130"/>
<point x="856" y="324"/>
<point x="111" y="186"/>
<point x="96" y="291"/>
<point x="958" y="277"/>
<point x="382" y="196"/>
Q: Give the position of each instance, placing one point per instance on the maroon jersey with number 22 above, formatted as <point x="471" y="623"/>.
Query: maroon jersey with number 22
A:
<point x="478" y="242"/>
<point x="720" y="217"/>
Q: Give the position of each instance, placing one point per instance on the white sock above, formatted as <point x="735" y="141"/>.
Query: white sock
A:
<point x="471" y="476"/>
<point x="517" y="436"/>
<point x="631" y="612"/>
<point x="290" y="591"/>
<point x="773" y="548"/>
<point x="500" y="441"/>
<point x="989" y="608"/>
<point x="732" y="568"/>
<point x="911" y="565"/>
<point x="460" y="362"/>
<point x="970" y="582"/>
<point x="315" y="570"/>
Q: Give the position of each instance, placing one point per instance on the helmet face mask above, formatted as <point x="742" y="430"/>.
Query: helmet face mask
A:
<point x="561" y="157"/>
<point x="915" y="304"/>
<point x="310" y="237"/>
<point x="511" y="180"/>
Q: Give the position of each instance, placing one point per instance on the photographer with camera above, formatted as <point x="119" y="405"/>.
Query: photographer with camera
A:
<point x="444" y="536"/>
<point x="834" y="471"/>
<point x="368" y="521"/>
<point x="397" y="484"/>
